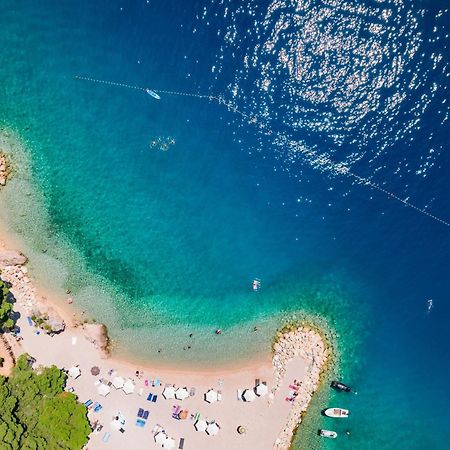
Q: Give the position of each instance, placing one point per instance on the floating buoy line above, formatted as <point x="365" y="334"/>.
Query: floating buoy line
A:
<point x="339" y="168"/>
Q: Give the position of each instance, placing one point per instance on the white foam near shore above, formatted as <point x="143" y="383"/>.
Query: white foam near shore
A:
<point x="269" y="421"/>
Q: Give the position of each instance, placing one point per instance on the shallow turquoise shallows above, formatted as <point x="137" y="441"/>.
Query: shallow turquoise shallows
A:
<point x="159" y="214"/>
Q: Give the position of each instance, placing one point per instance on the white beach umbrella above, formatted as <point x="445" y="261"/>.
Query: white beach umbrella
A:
<point x="212" y="428"/>
<point x="160" y="438"/>
<point x="201" y="425"/>
<point x="74" y="372"/>
<point x="169" y="443"/>
<point x="169" y="392"/>
<point x="118" y="382"/>
<point x="248" y="395"/>
<point x="128" y="387"/>
<point x="104" y="390"/>
<point x="261" y="389"/>
<point x="181" y="393"/>
<point x="211" y="396"/>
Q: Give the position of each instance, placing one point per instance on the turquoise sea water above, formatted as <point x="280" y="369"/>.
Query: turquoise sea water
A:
<point x="160" y="244"/>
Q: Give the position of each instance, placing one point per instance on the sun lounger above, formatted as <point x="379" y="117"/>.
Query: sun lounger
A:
<point x="239" y="394"/>
<point x="30" y="322"/>
<point x="140" y="423"/>
<point x="97" y="407"/>
<point x="150" y="396"/>
<point x="192" y="392"/>
<point x="197" y="416"/>
<point x="140" y="412"/>
<point x="181" y="445"/>
<point x="145" y="415"/>
<point x="122" y="430"/>
<point x="88" y="403"/>
<point x="141" y="391"/>
<point x="155" y="397"/>
<point x="106" y="436"/>
<point x="257" y="381"/>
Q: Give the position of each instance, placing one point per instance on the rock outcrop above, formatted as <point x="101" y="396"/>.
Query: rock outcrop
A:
<point x="4" y="169"/>
<point x="11" y="258"/>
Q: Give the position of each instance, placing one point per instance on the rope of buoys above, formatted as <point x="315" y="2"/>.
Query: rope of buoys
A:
<point x="338" y="167"/>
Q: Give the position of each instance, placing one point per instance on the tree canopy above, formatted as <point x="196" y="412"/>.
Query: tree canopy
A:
<point x="6" y="323"/>
<point x="36" y="412"/>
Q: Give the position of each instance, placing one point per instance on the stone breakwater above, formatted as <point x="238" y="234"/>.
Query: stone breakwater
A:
<point x="308" y="344"/>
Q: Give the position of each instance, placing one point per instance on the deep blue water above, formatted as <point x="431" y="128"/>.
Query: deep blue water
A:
<point x="181" y="233"/>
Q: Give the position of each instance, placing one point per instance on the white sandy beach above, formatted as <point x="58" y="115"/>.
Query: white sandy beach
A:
<point x="269" y="420"/>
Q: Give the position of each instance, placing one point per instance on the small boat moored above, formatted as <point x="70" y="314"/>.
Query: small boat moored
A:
<point x="340" y="386"/>
<point x="336" y="413"/>
<point x="328" y="434"/>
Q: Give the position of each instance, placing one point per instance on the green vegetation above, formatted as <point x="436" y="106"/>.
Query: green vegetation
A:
<point x="37" y="414"/>
<point x="6" y="323"/>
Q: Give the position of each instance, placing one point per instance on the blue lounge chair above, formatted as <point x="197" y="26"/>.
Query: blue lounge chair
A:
<point x="106" y="436"/>
<point x="88" y="403"/>
<point x="98" y="408"/>
<point x="145" y="415"/>
<point x="150" y="396"/>
<point x="140" y="423"/>
<point x="155" y="397"/>
<point x="157" y="382"/>
<point x="140" y="412"/>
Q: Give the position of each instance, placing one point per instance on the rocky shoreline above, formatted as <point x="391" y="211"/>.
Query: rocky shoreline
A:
<point x="14" y="271"/>
<point x="294" y="342"/>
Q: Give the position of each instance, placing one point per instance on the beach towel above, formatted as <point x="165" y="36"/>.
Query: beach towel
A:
<point x="30" y="322"/>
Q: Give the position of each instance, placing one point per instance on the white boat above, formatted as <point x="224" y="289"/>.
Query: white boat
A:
<point x="256" y="284"/>
<point x="336" y="412"/>
<point x="153" y="94"/>
<point x="328" y="434"/>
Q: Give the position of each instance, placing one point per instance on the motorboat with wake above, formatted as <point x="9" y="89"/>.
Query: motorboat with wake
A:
<point x="340" y="386"/>
<point x="153" y="94"/>
<point x="328" y="434"/>
<point x="256" y="284"/>
<point x="337" y="413"/>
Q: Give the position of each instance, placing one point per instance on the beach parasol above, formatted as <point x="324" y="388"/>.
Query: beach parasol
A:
<point x="95" y="370"/>
<point x="212" y="429"/>
<point x="211" y="396"/>
<point x="248" y="395"/>
<point x="169" y="392"/>
<point x="128" y="387"/>
<point x="201" y="425"/>
<point x="261" y="389"/>
<point x="241" y="429"/>
<point x="181" y="393"/>
<point x="169" y="443"/>
<point x="183" y="414"/>
<point x="74" y="372"/>
<point x="160" y="438"/>
<point x="104" y="390"/>
<point x="118" y="382"/>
